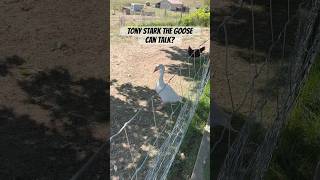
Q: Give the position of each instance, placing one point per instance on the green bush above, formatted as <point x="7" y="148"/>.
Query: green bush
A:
<point x="200" y="17"/>
<point x="299" y="148"/>
<point x="159" y="23"/>
<point x="192" y="140"/>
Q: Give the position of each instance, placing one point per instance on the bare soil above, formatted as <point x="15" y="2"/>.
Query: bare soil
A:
<point x="53" y="87"/>
<point x="132" y="86"/>
<point x="236" y="64"/>
<point x="132" y="65"/>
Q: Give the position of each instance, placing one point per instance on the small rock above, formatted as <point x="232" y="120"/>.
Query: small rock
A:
<point x="182" y="156"/>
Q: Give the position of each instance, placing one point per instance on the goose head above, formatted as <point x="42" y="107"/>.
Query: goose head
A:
<point x="159" y="67"/>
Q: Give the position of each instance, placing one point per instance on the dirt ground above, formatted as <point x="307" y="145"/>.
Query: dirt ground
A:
<point x="132" y="66"/>
<point x="235" y="64"/>
<point x="132" y="86"/>
<point x="53" y="87"/>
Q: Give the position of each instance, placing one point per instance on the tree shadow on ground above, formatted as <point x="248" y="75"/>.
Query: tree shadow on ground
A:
<point x="75" y="103"/>
<point x="134" y="94"/>
<point x="223" y="138"/>
<point x="30" y="150"/>
<point x="148" y="123"/>
<point x="240" y="42"/>
<point x="239" y="28"/>
<point x="190" y="68"/>
<point x="8" y="63"/>
<point x="176" y="53"/>
<point x="55" y="150"/>
<point x="239" y="34"/>
<point x="136" y="98"/>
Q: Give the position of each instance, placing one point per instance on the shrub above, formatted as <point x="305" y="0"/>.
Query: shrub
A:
<point x="200" y="17"/>
<point x="299" y="148"/>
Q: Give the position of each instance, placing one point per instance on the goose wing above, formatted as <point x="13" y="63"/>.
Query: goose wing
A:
<point x="168" y="95"/>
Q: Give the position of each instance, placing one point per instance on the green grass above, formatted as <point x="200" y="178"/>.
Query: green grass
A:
<point x="182" y="168"/>
<point x="199" y="17"/>
<point x="196" y="17"/>
<point x="299" y="148"/>
<point x="207" y="171"/>
<point x="189" y="3"/>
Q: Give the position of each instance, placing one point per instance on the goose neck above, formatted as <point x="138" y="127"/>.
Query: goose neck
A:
<point x="161" y="76"/>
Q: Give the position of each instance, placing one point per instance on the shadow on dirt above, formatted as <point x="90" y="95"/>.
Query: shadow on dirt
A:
<point x="10" y="62"/>
<point x="31" y="150"/>
<point x="239" y="35"/>
<point x="136" y="98"/>
<point x="137" y="93"/>
<point x="176" y="53"/>
<point x="146" y="126"/>
<point x="239" y="29"/>
<point x="190" y="68"/>
<point x="76" y="103"/>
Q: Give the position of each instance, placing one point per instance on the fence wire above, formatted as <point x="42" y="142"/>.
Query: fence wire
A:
<point x="146" y="144"/>
<point x="272" y="69"/>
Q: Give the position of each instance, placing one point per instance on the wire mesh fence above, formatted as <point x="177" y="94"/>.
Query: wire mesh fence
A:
<point x="277" y="43"/>
<point x="146" y="144"/>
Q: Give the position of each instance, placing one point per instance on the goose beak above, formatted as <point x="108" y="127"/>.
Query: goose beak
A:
<point x="155" y="69"/>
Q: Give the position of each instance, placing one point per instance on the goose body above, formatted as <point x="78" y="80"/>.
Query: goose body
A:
<point x="165" y="91"/>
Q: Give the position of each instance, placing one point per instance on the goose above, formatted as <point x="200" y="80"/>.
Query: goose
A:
<point x="164" y="90"/>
